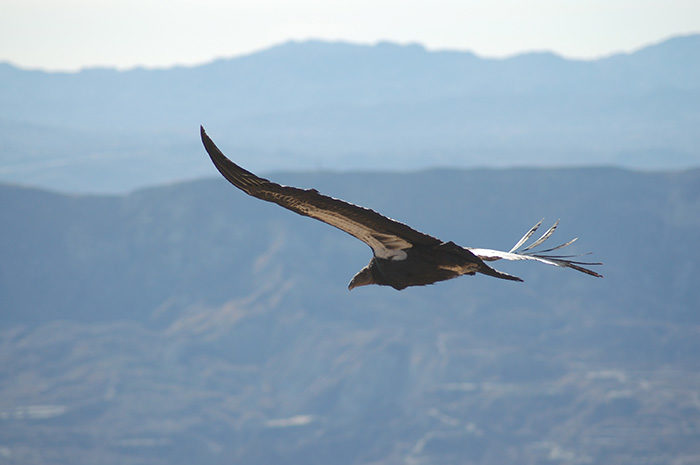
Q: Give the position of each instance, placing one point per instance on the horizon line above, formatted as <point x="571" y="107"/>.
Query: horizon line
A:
<point x="370" y="44"/>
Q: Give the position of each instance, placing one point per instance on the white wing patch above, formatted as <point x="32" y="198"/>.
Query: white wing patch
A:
<point x="388" y="246"/>
<point x="489" y="255"/>
<point x="542" y="256"/>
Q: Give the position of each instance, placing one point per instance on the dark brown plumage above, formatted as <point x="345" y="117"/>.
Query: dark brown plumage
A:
<point x="402" y="256"/>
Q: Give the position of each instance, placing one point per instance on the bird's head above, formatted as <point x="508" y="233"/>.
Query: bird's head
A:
<point x="364" y="277"/>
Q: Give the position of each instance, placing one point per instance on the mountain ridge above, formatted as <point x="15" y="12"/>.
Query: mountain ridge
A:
<point x="113" y="227"/>
<point x="689" y="40"/>
<point x="314" y="105"/>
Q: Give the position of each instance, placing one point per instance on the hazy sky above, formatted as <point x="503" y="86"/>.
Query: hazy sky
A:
<point x="70" y="34"/>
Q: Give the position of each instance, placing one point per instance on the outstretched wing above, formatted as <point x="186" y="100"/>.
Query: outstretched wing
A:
<point x="387" y="238"/>
<point x="542" y="256"/>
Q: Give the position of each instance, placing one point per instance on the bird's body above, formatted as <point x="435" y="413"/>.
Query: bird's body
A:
<point x="425" y="265"/>
<point x="403" y="257"/>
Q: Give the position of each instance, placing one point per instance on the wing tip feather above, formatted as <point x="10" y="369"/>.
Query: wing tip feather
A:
<point x="541" y="255"/>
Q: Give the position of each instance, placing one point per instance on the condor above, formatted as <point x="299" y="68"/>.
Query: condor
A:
<point x="403" y="257"/>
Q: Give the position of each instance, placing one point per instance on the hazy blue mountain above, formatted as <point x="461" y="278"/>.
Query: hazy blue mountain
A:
<point x="310" y="105"/>
<point x="193" y="324"/>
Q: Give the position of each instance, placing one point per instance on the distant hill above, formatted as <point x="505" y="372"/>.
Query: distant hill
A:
<point x="310" y="105"/>
<point x="193" y="324"/>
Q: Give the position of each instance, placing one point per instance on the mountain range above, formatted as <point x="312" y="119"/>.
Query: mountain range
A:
<point x="190" y="323"/>
<point x="337" y="106"/>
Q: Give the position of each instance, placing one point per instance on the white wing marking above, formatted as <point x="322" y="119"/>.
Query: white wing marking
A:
<point x="489" y="255"/>
<point x="538" y="256"/>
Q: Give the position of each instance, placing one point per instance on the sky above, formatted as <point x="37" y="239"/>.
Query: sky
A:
<point x="73" y="34"/>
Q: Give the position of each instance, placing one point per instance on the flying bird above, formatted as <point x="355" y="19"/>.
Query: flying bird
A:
<point x="402" y="256"/>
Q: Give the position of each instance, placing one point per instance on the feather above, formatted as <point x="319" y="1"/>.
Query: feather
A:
<point x="539" y="255"/>
<point x="490" y="255"/>
<point x="526" y="236"/>
<point x="543" y="237"/>
<point x="560" y="246"/>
